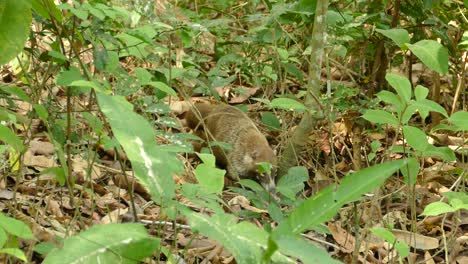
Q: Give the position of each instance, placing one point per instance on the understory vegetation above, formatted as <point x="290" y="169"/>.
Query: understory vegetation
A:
<point x="363" y="102"/>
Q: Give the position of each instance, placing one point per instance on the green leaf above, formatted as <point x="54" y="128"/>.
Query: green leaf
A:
<point x="82" y="83"/>
<point x="398" y="35"/>
<point x="111" y="243"/>
<point x="153" y="166"/>
<point x="16" y="252"/>
<point x="401" y="247"/>
<point x="444" y="153"/>
<point x="460" y="120"/>
<point x="437" y="208"/>
<point x="324" y="205"/>
<point x="3" y="237"/>
<point x="15" y="23"/>
<point x="287" y="104"/>
<point x="65" y="78"/>
<point x="420" y="92"/>
<point x="163" y="87"/>
<point x="44" y="7"/>
<point x="41" y="112"/>
<point x="208" y="159"/>
<point x="15" y="227"/>
<point x="244" y="240"/>
<point x="410" y="171"/>
<point x="293" y="182"/>
<point x="143" y="75"/>
<point x="13" y="90"/>
<point x="380" y="117"/>
<point x="270" y="120"/>
<point x="401" y="85"/>
<point x="210" y="177"/>
<point x="283" y="54"/>
<point x="354" y="185"/>
<point x="392" y="99"/>
<point x="429" y="105"/>
<point x="416" y="138"/>
<point x="432" y="54"/>
<point x="58" y="172"/>
<point x="7" y="136"/>
<point x="307" y="252"/>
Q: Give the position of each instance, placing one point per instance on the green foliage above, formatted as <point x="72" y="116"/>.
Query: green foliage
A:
<point x="324" y="205"/>
<point x="153" y="165"/>
<point x="266" y="54"/>
<point x="15" y="22"/>
<point x="111" y="243"/>
<point x="10" y="227"/>
<point x="457" y="201"/>
<point x="208" y="175"/>
<point x="401" y="247"/>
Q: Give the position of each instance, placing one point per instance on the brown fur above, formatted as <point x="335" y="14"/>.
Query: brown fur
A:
<point x="225" y="123"/>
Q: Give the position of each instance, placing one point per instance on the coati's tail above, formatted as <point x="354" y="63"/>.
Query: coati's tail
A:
<point x="192" y="116"/>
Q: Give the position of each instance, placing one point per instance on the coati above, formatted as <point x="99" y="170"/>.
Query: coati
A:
<point x="225" y="123"/>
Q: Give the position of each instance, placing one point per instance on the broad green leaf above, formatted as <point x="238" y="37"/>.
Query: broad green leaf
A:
<point x="13" y="90"/>
<point x="283" y="54"/>
<point x="420" y="92"/>
<point x="270" y="120"/>
<point x="293" y="182"/>
<point x="324" y="205"/>
<point x="416" y="138"/>
<point x="3" y="237"/>
<point x="460" y="120"/>
<point x="66" y="77"/>
<point x="210" y="177"/>
<point x="401" y="247"/>
<point x="244" y="240"/>
<point x="354" y="185"/>
<point x="380" y="117"/>
<point x="208" y="159"/>
<point x="153" y="166"/>
<point x="307" y="252"/>
<point x="401" y="85"/>
<point x="462" y="196"/>
<point x="15" y="227"/>
<point x="444" y="153"/>
<point x="58" y="172"/>
<point x="111" y="243"/>
<point x="15" y="23"/>
<point x="44" y="7"/>
<point x="410" y="171"/>
<point x="163" y="87"/>
<point x="432" y="54"/>
<point x="82" y="83"/>
<point x="16" y="252"/>
<point x="392" y="99"/>
<point x="7" y="136"/>
<point x="437" y="208"/>
<point x="398" y="35"/>
<point x="287" y="104"/>
<point x="143" y="75"/>
<point x="429" y="105"/>
<point x="41" y="112"/>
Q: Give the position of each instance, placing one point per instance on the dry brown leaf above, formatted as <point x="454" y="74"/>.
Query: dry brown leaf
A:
<point x="416" y="240"/>
<point x="113" y="217"/>
<point x="344" y="239"/>
<point x="244" y="203"/>
<point x="428" y="258"/>
<point x="245" y="94"/>
<point x="39" y="162"/>
<point x="41" y="148"/>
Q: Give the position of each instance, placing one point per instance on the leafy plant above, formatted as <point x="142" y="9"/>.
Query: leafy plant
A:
<point x="10" y="230"/>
